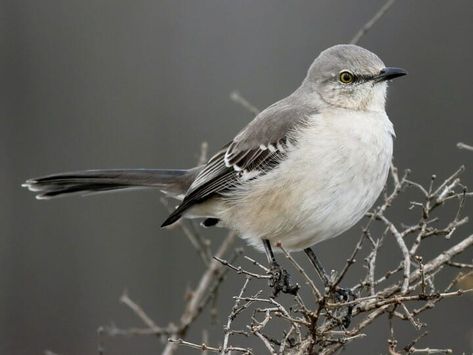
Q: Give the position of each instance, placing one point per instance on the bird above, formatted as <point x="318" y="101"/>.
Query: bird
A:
<point x="304" y="170"/>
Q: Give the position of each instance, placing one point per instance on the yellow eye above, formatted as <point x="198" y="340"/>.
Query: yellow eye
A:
<point x="346" y="77"/>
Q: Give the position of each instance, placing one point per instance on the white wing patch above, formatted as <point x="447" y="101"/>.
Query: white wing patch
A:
<point x="246" y="175"/>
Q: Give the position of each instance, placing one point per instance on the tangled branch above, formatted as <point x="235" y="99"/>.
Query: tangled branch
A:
<point x="317" y="320"/>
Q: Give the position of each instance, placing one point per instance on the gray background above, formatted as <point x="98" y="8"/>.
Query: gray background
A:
<point x="103" y="84"/>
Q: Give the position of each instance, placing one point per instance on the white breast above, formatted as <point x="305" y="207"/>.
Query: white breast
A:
<point x="328" y="182"/>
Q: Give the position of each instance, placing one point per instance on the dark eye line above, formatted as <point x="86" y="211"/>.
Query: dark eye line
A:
<point x="362" y="78"/>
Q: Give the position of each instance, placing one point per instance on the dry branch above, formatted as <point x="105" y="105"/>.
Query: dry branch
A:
<point x="324" y="323"/>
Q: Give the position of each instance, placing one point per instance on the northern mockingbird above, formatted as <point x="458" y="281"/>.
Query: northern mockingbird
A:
<point x="306" y="169"/>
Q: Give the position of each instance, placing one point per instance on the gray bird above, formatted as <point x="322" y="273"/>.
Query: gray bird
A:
<point x="306" y="169"/>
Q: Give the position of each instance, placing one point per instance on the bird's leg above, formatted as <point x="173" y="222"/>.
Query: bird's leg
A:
<point x="279" y="280"/>
<point x="318" y="266"/>
<point x="341" y="294"/>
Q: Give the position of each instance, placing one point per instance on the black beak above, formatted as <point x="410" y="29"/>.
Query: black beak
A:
<point x="389" y="73"/>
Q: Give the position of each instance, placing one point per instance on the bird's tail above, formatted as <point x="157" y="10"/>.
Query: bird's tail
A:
<point x="173" y="182"/>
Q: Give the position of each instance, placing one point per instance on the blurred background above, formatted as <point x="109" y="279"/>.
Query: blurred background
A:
<point x="116" y="84"/>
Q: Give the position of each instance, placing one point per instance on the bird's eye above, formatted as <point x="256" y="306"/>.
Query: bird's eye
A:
<point x="346" y="77"/>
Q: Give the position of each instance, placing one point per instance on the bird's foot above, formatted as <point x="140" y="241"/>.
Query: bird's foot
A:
<point x="345" y="295"/>
<point x="280" y="280"/>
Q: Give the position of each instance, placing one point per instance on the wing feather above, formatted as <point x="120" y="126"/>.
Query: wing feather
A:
<point x="255" y="151"/>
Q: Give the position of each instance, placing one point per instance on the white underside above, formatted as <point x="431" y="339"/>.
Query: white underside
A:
<point x="329" y="180"/>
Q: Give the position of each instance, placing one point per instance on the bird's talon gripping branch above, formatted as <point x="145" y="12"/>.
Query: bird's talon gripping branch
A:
<point x="340" y="294"/>
<point x="280" y="280"/>
<point x="345" y="295"/>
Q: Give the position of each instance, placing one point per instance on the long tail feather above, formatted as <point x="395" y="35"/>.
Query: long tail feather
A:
<point x="174" y="182"/>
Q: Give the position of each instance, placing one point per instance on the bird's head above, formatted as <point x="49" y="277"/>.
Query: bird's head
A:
<point x="351" y="77"/>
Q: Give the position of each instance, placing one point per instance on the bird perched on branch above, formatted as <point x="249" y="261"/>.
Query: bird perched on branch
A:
<point x="306" y="169"/>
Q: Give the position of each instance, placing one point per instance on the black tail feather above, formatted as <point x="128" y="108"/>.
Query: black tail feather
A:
<point x="86" y="182"/>
<point x="173" y="218"/>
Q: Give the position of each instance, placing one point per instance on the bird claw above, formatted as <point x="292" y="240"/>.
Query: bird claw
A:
<point x="280" y="281"/>
<point x="345" y="295"/>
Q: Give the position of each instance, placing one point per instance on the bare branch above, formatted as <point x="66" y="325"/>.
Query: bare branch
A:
<point x="368" y="25"/>
<point x="461" y="145"/>
<point x="137" y="310"/>
<point x="299" y="268"/>
<point x="240" y="270"/>
<point x="406" y="264"/>
<point x="324" y="327"/>
<point x="232" y="316"/>
<point x="205" y="347"/>
<point x="194" y="306"/>
<point x="235" y="96"/>
<point x="430" y="351"/>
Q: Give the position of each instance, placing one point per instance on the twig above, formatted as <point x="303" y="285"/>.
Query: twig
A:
<point x="415" y="341"/>
<point x="137" y="310"/>
<point x="405" y="253"/>
<point x="232" y="316"/>
<point x="235" y="96"/>
<point x="411" y="317"/>
<point x="368" y="25"/>
<point x="205" y="340"/>
<point x="203" y="156"/>
<point x="461" y="145"/>
<point x="205" y="347"/>
<point x="266" y="342"/>
<point x="460" y="265"/>
<point x="371" y="267"/>
<point x="193" y="309"/>
<point x="351" y="260"/>
<point x="112" y="331"/>
<point x="430" y="351"/>
<point x="299" y="268"/>
<point x="240" y="270"/>
<point x="254" y="262"/>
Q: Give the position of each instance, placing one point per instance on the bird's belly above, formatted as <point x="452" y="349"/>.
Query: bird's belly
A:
<point x="317" y="193"/>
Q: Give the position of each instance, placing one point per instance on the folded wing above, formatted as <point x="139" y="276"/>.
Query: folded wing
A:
<point x="255" y="151"/>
